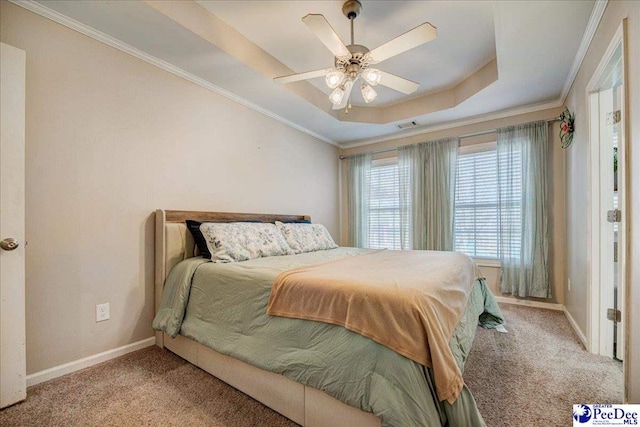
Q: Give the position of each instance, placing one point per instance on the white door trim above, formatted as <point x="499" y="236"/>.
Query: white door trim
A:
<point x="595" y="309"/>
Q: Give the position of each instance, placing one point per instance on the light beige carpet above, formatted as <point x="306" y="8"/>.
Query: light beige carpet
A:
<point x="528" y="377"/>
<point x="150" y="387"/>
<point x="534" y="374"/>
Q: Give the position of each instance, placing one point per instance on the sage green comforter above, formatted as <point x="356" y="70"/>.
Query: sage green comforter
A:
<point x="223" y="306"/>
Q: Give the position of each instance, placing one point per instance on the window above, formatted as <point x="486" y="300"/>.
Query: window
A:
<point x="476" y="219"/>
<point x="384" y="205"/>
<point x="476" y="202"/>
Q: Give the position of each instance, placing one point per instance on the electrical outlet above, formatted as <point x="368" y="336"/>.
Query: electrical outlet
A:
<point x="569" y="283"/>
<point x="102" y="312"/>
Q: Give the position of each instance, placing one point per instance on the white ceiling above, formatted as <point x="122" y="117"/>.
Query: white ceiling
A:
<point x="535" y="42"/>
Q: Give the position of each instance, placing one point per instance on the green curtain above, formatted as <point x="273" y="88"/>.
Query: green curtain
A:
<point x="358" y="184"/>
<point x="522" y="207"/>
<point x="427" y="176"/>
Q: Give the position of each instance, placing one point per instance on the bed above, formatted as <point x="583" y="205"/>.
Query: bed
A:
<point x="314" y="373"/>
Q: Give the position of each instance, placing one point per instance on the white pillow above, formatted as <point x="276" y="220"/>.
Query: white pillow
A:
<point x="306" y="237"/>
<point x="241" y="241"/>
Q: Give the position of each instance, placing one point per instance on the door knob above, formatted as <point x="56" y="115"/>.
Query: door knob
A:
<point x="9" y="244"/>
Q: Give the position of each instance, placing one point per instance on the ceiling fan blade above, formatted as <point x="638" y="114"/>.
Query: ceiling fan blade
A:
<point x="398" y="83"/>
<point x="348" y="87"/>
<point x="302" y="76"/>
<point x="419" y="35"/>
<point x="323" y="30"/>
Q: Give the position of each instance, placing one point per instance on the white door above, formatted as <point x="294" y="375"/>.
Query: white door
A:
<point x="612" y="236"/>
<point x="617" y="200"/>
<point x="13" y="383"/>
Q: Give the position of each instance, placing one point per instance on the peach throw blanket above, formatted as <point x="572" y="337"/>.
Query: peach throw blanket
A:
<point x="409" y="301"/>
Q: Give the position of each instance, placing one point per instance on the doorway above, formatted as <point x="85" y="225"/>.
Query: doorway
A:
<point x="607" y="202"/>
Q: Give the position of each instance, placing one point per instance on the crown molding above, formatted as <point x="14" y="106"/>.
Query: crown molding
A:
<point x="55" y="16"/>
<point x="457" y="123"/>
<point x="589" y="33"/>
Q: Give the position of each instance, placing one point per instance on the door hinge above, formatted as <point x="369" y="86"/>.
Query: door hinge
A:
<point x="614" y="315"/>
<point x="614" y="215"/>
<point x="613" y="117"/>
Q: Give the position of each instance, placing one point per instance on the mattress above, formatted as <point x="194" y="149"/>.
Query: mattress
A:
<point x="223" y="306"/>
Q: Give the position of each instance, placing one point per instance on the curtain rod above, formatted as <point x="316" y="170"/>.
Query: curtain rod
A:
<point x="466" y="135"/>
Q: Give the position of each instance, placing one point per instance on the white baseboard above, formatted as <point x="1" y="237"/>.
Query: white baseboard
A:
<point x="529" y="303"/>
<point x="576" y="328"/>
<point x="85" y="362"/>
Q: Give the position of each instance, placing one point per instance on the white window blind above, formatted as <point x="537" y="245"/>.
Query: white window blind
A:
<point x="384" y="206"/>
<point x="476" y="205"/>
<point x="476" y="219"/>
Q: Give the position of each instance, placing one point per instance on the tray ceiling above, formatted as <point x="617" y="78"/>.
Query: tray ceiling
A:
<point x="489" y="56"/>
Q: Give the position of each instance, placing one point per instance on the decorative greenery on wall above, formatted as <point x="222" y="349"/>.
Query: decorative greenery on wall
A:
<point x="566" y="128"/>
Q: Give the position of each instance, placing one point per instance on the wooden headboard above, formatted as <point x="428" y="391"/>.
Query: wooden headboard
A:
<point x="174" y="243"/>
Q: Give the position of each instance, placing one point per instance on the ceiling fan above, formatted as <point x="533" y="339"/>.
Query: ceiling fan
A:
<point x="354" y="61"/>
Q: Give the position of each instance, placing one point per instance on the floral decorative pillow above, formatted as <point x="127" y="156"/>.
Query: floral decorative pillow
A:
<point x="306" y="237"/>
<point x="241" y="241"/>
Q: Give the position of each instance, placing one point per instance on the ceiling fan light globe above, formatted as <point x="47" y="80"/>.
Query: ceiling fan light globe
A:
<point x="337" y="95"/>
<point x="368" y="93"/>
<point x="372" y="76"/>
<point x="334" y="79"/>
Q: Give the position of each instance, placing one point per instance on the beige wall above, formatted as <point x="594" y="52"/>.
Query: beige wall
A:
<point x="576" y="171"/>
<point x="556" y="189"/>
<point x="109" y="139"/>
